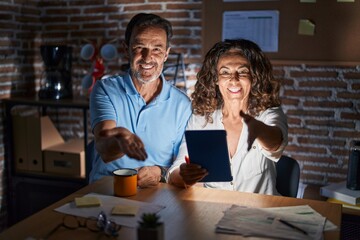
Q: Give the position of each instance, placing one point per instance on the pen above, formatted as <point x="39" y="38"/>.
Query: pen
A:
<point x="293" y="226"/>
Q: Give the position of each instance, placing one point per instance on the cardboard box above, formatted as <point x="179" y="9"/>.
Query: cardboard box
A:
<point x="66" y="159"/>
<point x="32" y="135"/>
<point x="20" y="143"/>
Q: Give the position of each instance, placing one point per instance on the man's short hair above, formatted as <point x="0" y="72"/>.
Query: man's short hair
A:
<point x="148" y="19"/>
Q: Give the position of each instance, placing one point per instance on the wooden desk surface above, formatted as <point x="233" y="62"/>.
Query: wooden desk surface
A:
<point x="189" y="214"/>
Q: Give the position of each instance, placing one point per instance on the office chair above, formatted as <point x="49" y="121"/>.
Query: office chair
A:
<point x="288" y="175"/>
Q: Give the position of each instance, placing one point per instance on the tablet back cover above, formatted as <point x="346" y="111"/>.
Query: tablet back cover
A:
<point x="208" y="148"/>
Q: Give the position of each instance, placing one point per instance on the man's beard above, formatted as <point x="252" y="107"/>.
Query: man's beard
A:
<point x="138" y="76"/>
<point x="143" y="81"/>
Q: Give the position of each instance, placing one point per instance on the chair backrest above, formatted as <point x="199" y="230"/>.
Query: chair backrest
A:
<point x="90" y="156"/>
<point x="288" y="175"/>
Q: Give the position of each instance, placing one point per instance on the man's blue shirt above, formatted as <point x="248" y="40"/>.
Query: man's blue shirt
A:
<point x="159" y="124"/>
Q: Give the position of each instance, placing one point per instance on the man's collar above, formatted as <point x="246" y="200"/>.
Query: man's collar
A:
<point x="131" y="90"/>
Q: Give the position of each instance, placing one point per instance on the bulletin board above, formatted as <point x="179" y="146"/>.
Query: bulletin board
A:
<point x="337" y="28"/>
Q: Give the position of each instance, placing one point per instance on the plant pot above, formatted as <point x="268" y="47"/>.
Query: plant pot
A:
<point x="151" y="233"/>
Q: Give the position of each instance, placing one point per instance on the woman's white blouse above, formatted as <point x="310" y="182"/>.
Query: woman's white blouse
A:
<point x="254" y="170"/>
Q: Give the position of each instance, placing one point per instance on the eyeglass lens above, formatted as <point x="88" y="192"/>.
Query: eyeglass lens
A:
<point x="108" y="226"/>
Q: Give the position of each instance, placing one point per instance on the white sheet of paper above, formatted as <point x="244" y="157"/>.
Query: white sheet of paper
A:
<point x="261" y="27"/>
<point x="263" y="222"/>
<point x="107" y="203"/>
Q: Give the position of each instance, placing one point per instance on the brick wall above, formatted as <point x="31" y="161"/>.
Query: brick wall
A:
<point x="322" y="101"/>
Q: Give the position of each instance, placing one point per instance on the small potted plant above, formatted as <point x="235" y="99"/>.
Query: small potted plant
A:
<point x="150" y="227"/>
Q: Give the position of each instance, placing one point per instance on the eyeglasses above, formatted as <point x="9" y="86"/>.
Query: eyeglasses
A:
<point x="99" y="224"/>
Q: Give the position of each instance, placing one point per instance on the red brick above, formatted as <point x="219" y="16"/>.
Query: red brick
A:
<point x="51" y="3"/>
<point x="184" y="32"/>
<point x="53" y="19"/>
<point x="312" y="178"/>
<point x="286" y="81"/>
<point x="314" y="74"/>
<point x="293" y="121"/>
<point x="352" y="75"/>
<point x="86" y="3"/>
<point x="169" y="15"/>
<point x="307" y="93"/>
<point x="336" y="179"/>
<point x="87" y="34"/>
<point x="308" y="132"/>
<point x="328" y="104"/>
<point x="321" y="141"/>
<point x="315" y="113"/>
<point x="31" y="11"/>
<point x="327" y="84"/>
<point x="6" y="16"/>
<point x="355" y="86"/>
<point x="186" y="23"/>
<point x="188" y="6"/>
<point x="105" y="9"/>
<point x="62" y="11"/>
<point x="145" y="7"/>
<point x="350" y="115"/>
<point x="191" y="41"/>
<point x="348" y="95"/>
<point x="347" y="134"/>
<point x="340" y="152"/>
<point x="9" y="26"/>
<point x="84" y="18"/>
<point x="330" y="123"/>
<point x="61" y="27"/>
<point x="279" y="72"/>
<point x="334" y="169"/>
<point x="305" y="149"/>
<point x="100" y="25"/>
<point x="291" y="102"/>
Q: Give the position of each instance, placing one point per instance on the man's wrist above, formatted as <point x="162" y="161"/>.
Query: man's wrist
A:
<point x="163" y="171"/>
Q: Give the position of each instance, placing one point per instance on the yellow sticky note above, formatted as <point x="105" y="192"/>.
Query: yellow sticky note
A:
<point x="306" y="27"/>
<point x="308" y="1"/>
<point x="125" y="210"/>
<point x="87" y="202"/>
<point x="345" y="0"/>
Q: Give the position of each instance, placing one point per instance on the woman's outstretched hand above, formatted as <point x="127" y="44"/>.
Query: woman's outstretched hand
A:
<point x="252" y="128"/>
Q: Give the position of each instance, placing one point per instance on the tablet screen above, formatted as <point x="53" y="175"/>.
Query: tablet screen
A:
<point x="208" y="148"/>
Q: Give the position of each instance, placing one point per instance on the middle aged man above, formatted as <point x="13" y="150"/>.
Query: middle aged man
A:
<point x="139" y="119"/>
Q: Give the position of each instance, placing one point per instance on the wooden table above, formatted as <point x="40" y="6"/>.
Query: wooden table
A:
<point x="189" y="214"/>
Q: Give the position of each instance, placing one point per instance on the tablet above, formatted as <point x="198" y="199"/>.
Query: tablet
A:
<point x="208" y="148"/>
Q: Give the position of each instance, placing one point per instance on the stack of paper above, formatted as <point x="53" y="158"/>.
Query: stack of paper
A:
<point x="341" y="193"/>
<point x="299" y="222"/>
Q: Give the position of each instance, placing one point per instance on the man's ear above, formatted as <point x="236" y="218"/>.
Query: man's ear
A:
<point x="167" y="54"/>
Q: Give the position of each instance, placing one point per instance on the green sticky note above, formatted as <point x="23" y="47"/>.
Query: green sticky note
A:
<point x="308" y="1"/>
<point x="306" y="27"/>
<point x="345" y="0"/>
